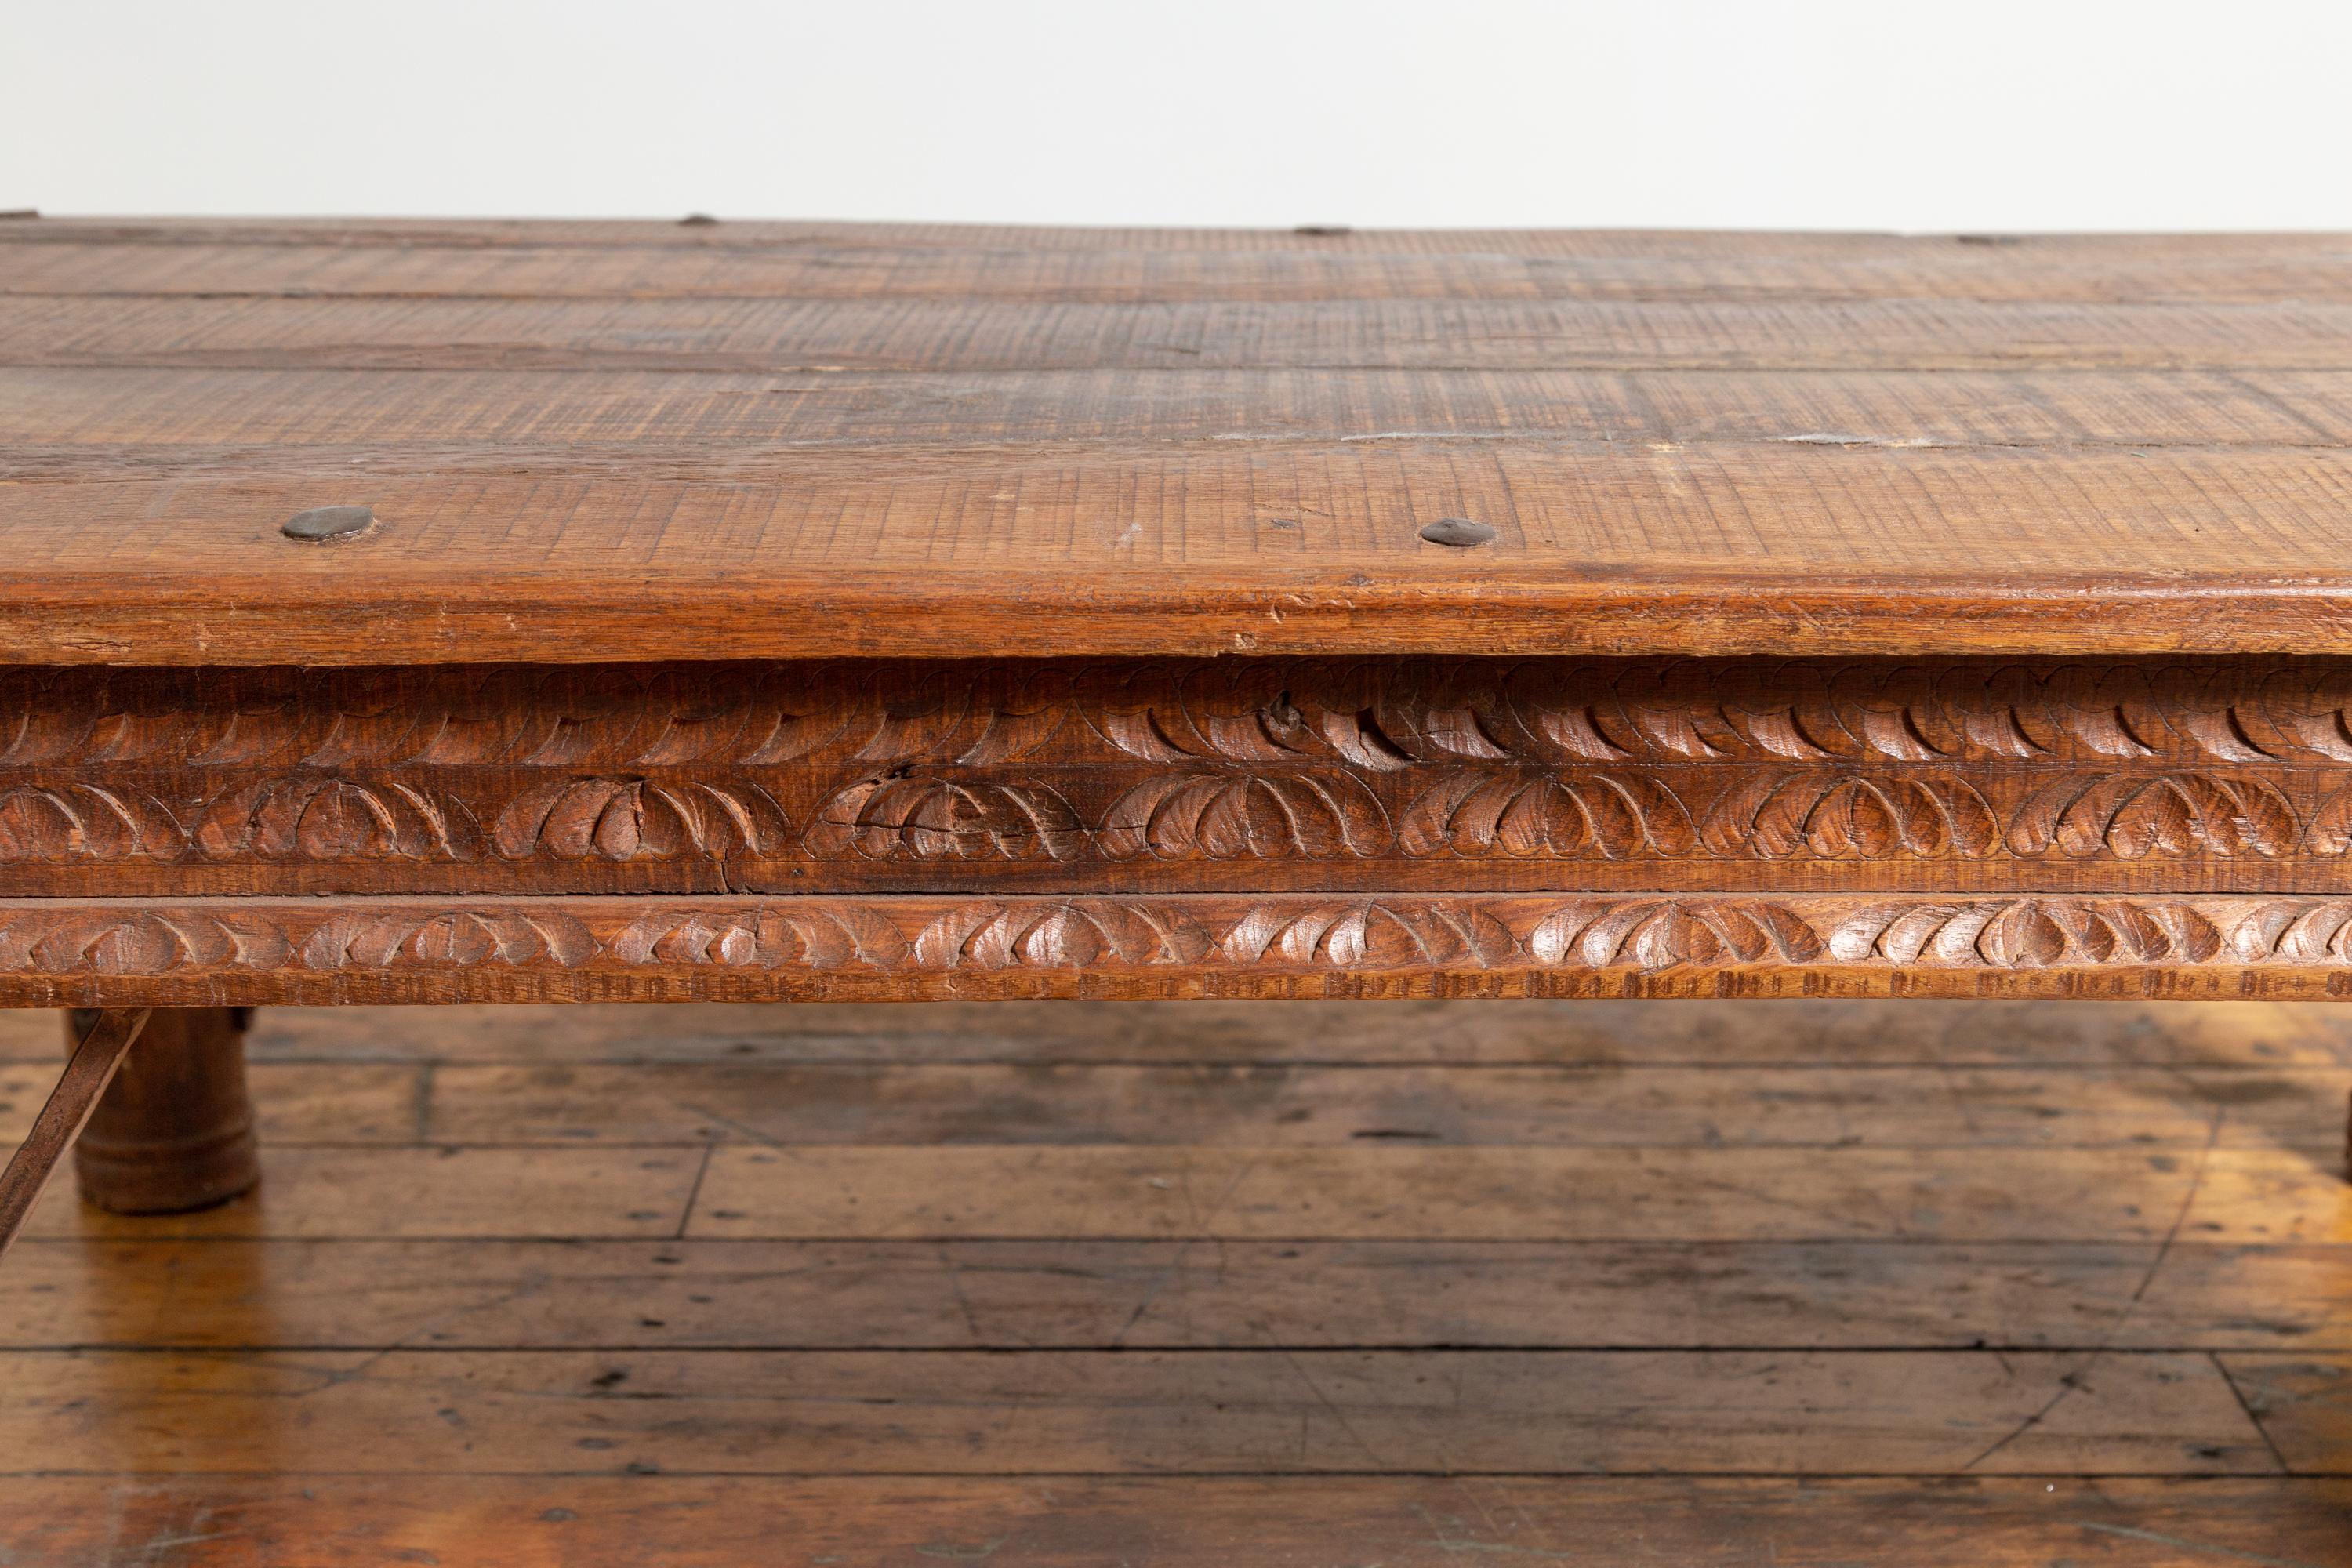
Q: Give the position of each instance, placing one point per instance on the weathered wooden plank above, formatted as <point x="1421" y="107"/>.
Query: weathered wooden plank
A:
<point x="1353" y="1191"/>
<point x="590" y="1522"/>
<point x="229" y="1293"/>
<point x="1521" y="1194"/>
<point x="1269" y="1412"/>
<point x="2303" y="1402"/>
<point x="1278" y="1104"/>
<point x="1227" y="547"/>
<point x="706" y="232"/>
<point x="944" y="335"/>
<point x="354" y="1102"/>
<point x="1947" y="1035"/>
<point x="1285" y="1105"/>
<point x="136" y="415"/>
<point x="84" y="260"/>
<point x="313" y="1191"/>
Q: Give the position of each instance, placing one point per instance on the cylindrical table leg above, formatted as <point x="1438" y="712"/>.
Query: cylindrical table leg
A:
<point x="175" y="1129"/>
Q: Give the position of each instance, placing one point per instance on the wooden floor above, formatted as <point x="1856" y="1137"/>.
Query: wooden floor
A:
<point x="1785" y="1284"/>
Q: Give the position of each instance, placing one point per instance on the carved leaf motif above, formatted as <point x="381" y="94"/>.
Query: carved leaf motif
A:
<point x="110" y="942"/>
<point x="1368" y="935"/>
<point x="2028" y="933"/>
<point x="1524" y="813"/>
<point x="323" y="816"/>
<point x="2330" y="832"/>
<point x="1654" y="934"/>
<point x="1014" y="716"/>
<point x="2172" y="815"/>
<point x="933" y="818"/>
<point x="1378" y="716"/>
<point x="2295" y="932"/>
<point x="1227" y="816"/>
<point x="1075" y="935"/>
<point x="1849" y="816"/>
<point x="82" y="822"/>
<point x="449" y="939"/>
<point x="836" y="936"/>
<point x="631" y="819"/>
<point x="1649" y="934"/>
<point x="2306" y="708"/>
<point x="728" y="939"/>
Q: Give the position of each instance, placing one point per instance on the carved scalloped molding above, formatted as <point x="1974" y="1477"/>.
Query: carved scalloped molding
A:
<point x="1210" y="932"/>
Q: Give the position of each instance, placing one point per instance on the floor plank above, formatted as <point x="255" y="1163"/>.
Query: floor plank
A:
<point x="448" y="1191"/>
<point x="590" y="1521"/>
<point x="2303" y="1402"/>
<point x="1523" y="1194"/>
<point x="293" y="1103"/>
<point x="1282" y="1104"/>
<point x="1152" y="1283"/>
<point x="568" y="1294"/>
<point x="1357" y="1192"/>
<point x="1272" y="1104"/>
<point x="1576" y="1033"/>
<point x="1141" y="1412"/>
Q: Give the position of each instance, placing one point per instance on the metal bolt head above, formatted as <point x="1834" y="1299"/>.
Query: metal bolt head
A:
<point x="1459" y="532"/>
<point x="324" y="522"/>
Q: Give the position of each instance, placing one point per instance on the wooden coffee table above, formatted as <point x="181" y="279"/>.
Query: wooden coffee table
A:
<point x="434" y="613"/>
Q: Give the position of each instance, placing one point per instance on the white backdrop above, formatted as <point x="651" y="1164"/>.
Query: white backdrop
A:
<point x="1826" y="114"/>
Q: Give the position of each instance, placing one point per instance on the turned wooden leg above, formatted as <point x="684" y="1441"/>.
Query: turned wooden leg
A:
<point x="176" y="1131"/>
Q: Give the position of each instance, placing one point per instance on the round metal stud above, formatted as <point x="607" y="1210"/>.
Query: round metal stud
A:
<point x="323" y="522"/>
<point x="1459" y="532"/>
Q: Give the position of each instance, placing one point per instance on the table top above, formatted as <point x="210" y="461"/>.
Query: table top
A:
<point x="707" y="440"/>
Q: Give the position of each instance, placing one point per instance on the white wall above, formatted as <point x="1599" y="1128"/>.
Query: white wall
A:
<point x="1824" y="113"/>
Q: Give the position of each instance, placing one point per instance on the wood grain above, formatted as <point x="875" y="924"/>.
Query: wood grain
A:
<point x="844" y="1413"/>
<point x="765" y="335"/>
<point x="175" y="1130"/>
<point x="1359" y="1191"/>
<point x="1180" y="1521"/>
<point x="1738" y="550"/>
<point x="2238" y="249"/>
<point x="1947" y="1036"/>
<point x="356" y="1102"/>
<point x="213" y="1291"/>
<point x="1298" y="1106"/>
<point x="418" y="1191"/>
<point x="70" y="422"/>
<point x="2062" y="1303"/>
<point x="1517" y="1194"/>
<point x="588" y="442"/>
<point x="865" y="262"/>
<point x="1003" y="1247"/>
<point x="2302" y="1401"/>
<point x="574" y="1103"/>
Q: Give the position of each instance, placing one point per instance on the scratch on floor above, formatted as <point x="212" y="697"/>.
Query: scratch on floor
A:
<point x="1337" y="1414"/>
<point x="2080" y="1375"/>
<point x="2183" y="1543"/>
<point x="1175" y="1263"/>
